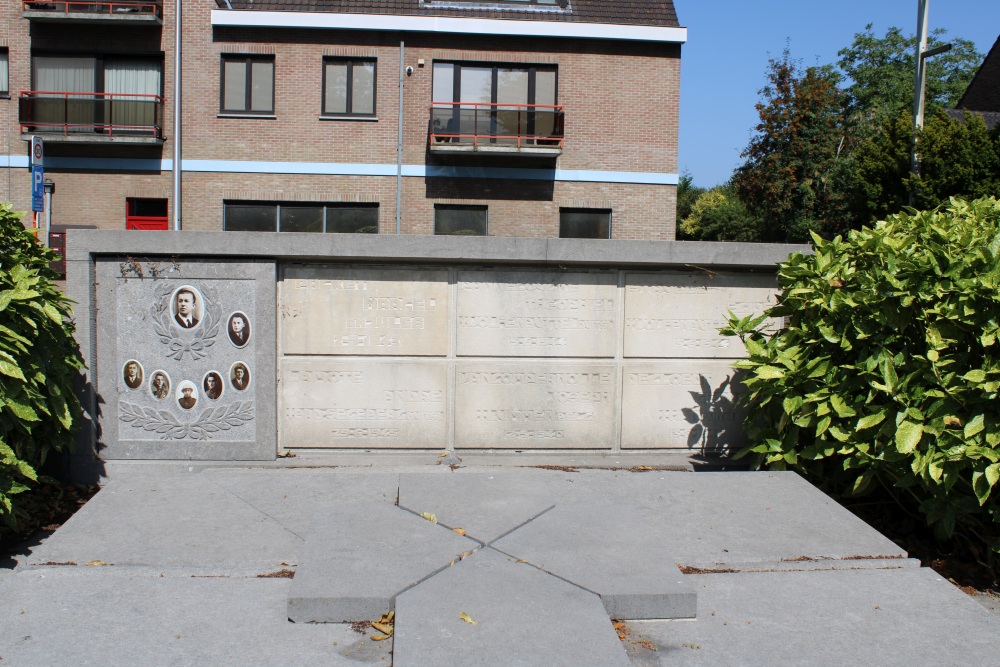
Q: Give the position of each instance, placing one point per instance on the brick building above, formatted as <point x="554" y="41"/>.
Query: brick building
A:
<point x="519" y="117"/>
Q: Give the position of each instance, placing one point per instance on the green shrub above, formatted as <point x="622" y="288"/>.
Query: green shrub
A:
<point x="886" y="377"/>
<point x="39" y="360"/>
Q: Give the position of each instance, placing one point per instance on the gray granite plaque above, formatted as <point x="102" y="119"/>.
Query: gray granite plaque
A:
<point x="186" y="359"/>
<point x="364" y="311"/>
<point x="681" y="405"/>
<point x="678" y="315"/>
<point x="537" y="313"/>
<point x="535" y="405"/>
<point x="361" y="404"/>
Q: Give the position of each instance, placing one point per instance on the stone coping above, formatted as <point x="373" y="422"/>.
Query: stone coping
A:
<point x="84" y="244"/>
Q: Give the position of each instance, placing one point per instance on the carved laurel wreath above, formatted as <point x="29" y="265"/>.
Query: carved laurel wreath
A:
<point x="212" y="420"/>
<point x="177" y="340"/>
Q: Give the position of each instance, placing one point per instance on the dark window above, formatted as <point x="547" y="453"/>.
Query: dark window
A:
<point x="457" y="220"/>
<point x="584" y="223"/>
<point x="247" y="84"/>
<point x="146" y="214"/>
<point x="348" y="87"/>
<point x="4" y="73"/>
<point x="293" y="217"/>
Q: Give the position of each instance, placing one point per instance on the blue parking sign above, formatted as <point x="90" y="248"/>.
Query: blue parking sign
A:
<point x="37" y="189"/>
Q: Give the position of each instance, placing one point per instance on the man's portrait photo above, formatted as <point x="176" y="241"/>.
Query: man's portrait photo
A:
<point x="239" y="376"/>
<point x="187" y="394"/>
<point x="132" y="374"/>
<point x="239" y="329"/>
<point x="187" y="307"/>
<point x="159" y="386"/>
<point x="213" y="385"/>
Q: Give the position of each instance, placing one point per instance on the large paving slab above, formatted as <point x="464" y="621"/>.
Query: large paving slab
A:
<point x="171" y="521"/>
<point x="863" y="617"/>
<point x="486" y="505"/>
<point x="77" y="616"/>
<point x="360" y="556"/>
<point x="742" y="520"/>
<point x="522" y="616"/>
<point x="609" y="550"/>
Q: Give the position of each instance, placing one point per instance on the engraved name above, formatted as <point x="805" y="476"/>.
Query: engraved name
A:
<point x="539" y="435"/>
<point x="514" y="415"/>
<point x="329" y="377"/>
<point x="350" y="285"/>
<point x="517" y="377"/>
<point x="413" y="395"/>
<point x="398" y="304"/>
<point x="365" y="432"/>
<point x="385" y="322"/>
<point x="363" y="414"/>
<point x="504" y="322"/>
<point x="647" y="324"/>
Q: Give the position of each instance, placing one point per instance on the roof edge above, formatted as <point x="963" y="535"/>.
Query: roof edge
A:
<point x="440" y="24"/>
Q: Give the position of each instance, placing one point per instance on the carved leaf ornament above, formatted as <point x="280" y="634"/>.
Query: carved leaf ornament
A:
<point x="212" y="420"/>
<point x="178" y="341"/>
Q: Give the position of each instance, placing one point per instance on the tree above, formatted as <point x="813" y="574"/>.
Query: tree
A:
<point x="719" y="215"/>
<point x="882" y="70"/>
<point x="687" y="194"/>
<point x="796" y="165"/>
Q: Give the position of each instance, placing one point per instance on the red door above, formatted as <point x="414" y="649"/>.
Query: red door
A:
<point x="146" y="214"/>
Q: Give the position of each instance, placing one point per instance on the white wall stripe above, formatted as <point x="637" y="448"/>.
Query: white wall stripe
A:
<point x="441" y="24"/>
<point x="349" y="169"/>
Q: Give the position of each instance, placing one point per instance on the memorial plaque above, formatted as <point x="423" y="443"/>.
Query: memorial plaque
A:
<point x="535" y="405"/>
<point x="358" y="311"/>
<point x="364" y="404"/>
<point x="537" y="314"/>
<point x="186" y="359"/>
<point x="681" y="405"/>
<point x="679" y="315"/>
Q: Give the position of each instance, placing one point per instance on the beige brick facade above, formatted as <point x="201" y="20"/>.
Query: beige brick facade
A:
<point x="621" y="123"/>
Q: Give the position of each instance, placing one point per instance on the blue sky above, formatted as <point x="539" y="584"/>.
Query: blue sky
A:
<point x="730" y="41"/>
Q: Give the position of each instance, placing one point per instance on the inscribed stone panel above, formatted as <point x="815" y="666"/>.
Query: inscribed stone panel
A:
<point x="535" y="405"/>
<point x="364" y="404"/>
<point x="537" y="314"/>
<point x="681" y="405"/>
<point x="678" y="315"/>
<point x="186" y="359"/>
<point x="359" y="311"/>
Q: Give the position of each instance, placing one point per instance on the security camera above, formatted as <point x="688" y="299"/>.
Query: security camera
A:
<point x="409" y="71"/>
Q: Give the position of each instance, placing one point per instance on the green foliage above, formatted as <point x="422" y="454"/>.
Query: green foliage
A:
<point x="795" y="161"/>
<point x="887" y="376"/>
<point x="882" y="69"/>
<point x="719" y="215"/>
<point x="38" y="363"/>
<point x="687" y="194"/>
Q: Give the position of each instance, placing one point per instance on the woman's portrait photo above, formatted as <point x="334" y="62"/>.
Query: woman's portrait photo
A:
<point x="187" y="306"/>
<point x="159" y="386"/>
<point x="132" y="374"/>
<point x="187" y="394"/>
<point x="213" y="385"/>
<point x="239" y="329"/>
<point x="239" y="376"/>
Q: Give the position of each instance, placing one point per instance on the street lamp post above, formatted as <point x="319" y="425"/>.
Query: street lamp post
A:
<point x="923" y="12"/>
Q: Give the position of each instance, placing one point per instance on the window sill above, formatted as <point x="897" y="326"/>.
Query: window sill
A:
<point x="355" y="118"/>
<point x="247" y="115"/>
<point x="4" y="96"/>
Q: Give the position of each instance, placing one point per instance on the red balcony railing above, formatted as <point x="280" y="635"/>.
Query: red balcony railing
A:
<point x="496" y="125"/>
<point x="76" y="115"/>
<point x="119" y="8"/>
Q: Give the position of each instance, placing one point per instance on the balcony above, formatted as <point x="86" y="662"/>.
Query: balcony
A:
<point x="88" y="118"/>
<point x="120" y="11"/>
<point x="506" y="129"/>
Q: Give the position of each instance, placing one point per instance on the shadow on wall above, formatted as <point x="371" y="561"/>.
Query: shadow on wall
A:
<point x="717" y="420"/>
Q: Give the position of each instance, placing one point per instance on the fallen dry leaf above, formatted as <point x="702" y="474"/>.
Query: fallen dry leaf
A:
<point x="460" y="531"/>
<point x="464" y="555"/>
<point x="442" y="454"/>
<point x="96" y="563"/>
<point x="468" y="619"/>
<point x="430" y="517"/>
<point x="384" y="628"/>
<point x="378" y="638"/>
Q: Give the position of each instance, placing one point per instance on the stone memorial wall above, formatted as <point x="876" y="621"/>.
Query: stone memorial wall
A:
<point x="510" y="358"/>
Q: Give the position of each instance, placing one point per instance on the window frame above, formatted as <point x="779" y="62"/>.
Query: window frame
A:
<point x="462" y="207"/>
<point x="583" y="209"/>
<point x="249" y="59"/>
<point x="326" y="206"/>
<point x="5" y="94"/>
<point x="350" y="113"/>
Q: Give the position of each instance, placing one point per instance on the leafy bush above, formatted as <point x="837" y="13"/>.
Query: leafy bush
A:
<point x="886" y="377"/>
<point x="718" y="215"/>
<point x="38" y="362"/>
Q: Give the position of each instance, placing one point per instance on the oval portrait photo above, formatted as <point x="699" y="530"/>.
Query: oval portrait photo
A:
<point x="239" y="376"/>
<point x="212" y="383"/>
<point x="239" y="329"/>
<point x="132" y="374"/>
<point x="187" y="306"/>
<point x="159" y="385"/>
<point x="187" y="394"/>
